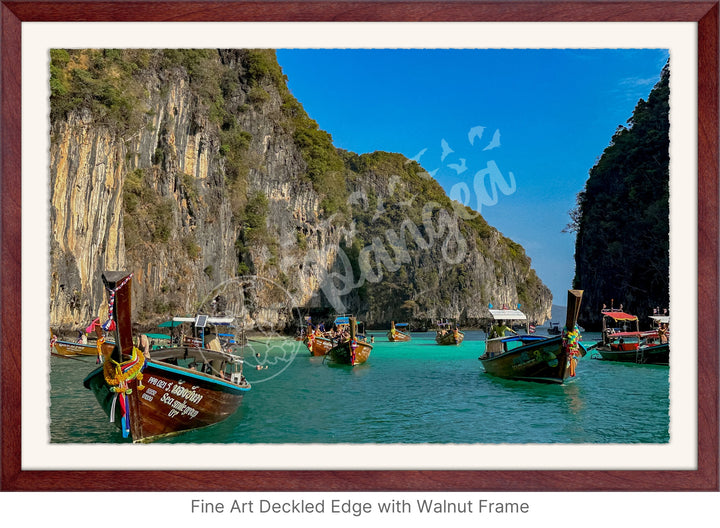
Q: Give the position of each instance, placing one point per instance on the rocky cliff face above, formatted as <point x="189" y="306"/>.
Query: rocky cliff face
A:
<point x="196" y="168"/>
<point x="622" y="253"/>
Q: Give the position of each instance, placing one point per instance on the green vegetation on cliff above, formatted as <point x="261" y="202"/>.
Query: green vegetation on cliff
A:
<point x="416" y="249"/>
<point x="622" y="216"/>
<point x="213" y="140"/>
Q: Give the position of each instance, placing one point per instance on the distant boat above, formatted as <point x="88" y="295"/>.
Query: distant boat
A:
<point x="70" y="349"/>
<point x="622" y="340"/>
<point x="398" y="332"/>
<point x="533" y="357"/>
<point x="352" y="351"/>
<point x="447" y="333"/>
<point x="60" y="347"/>
<point x="177" y="389"/>
<point x="554" y="329"/>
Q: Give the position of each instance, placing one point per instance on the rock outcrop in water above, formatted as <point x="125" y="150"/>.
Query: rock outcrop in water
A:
<point x="193" y="168"/>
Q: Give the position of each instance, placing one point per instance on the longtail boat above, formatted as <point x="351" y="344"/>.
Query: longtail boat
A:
<point x="69" y="349"/>
<point x="622" y="340"/>
<point x="448" y="334"/>
<point x="317" y="343"/>
<point x="398" y="332"/>
<point x="351" y="351"/>
<point x="177" y="389"/>
<point x="534" y="357"/>
<point x="60" y="347"/>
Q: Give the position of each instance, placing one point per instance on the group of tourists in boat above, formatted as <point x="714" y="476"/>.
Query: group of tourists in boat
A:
<point x="448" y="333"/>
<point x="343" y="343"/>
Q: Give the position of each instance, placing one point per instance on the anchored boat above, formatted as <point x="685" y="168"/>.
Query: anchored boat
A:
<point x="623" y="341"/>
<point x="398" y="332"/>
<point x="353" y="350"/>
<point x="533" y="357"/>
<point x="61" y="347"/>
<point x="175" y="390"/>
<point x="447" y="333"/>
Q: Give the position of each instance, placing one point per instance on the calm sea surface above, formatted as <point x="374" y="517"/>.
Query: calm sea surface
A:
<point x="415" y="392"/>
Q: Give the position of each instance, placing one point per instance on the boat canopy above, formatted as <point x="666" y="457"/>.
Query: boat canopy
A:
<point x="401" y="324"/>
<point x="660" y="318"/>
<point x="508" y="315"/>
<point x="344" y="319"/>
<point x="159" y="336"/>
<point x="200" y="320"/>
<point x="620" y="316"/>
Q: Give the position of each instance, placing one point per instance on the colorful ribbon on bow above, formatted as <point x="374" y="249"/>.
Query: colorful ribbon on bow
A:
<point x="571" y="343"/>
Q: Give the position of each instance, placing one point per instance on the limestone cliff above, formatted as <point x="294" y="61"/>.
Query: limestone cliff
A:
<point x="193" y="168"/>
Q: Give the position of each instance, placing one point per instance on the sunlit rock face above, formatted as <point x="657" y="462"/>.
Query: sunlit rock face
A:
<point x="214" y="172"/>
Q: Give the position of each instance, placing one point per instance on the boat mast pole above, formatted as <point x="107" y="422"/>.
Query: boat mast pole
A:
<point x="353" y="328"/>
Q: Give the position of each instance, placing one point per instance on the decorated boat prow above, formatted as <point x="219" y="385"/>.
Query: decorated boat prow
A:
<point x="534" y="357"/>
<point x="154" y="394"/>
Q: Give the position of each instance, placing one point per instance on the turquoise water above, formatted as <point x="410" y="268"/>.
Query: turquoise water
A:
<point x="415" y="392"/>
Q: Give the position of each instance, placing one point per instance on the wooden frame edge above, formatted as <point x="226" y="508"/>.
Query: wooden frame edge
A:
<point x="13" y="478"/>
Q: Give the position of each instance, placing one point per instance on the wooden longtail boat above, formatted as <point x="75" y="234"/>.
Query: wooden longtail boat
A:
<point x="630" y="345"/>
<point x="60" y="347"/>
<point x="175" y="390"/>
<point x="318" y="345"/>
<point x="448" y="334"/>
<point x="398" y="335"/>
<point x="534" y="357"/>
<point x="69" y="349"/>
<point x="352" y="351"/>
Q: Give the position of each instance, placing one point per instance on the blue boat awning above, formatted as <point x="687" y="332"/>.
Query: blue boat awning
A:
<point x="159" y="336"/>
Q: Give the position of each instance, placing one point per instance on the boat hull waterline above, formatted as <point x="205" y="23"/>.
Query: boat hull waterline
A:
<point x="644" y="355"/>
<point x="545" y="360"/>
<point x="346" y="354"/>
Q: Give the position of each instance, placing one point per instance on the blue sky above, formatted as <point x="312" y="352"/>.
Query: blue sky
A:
<point x="529" y="125"/>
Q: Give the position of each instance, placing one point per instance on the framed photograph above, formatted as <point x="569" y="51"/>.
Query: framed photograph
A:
<point x="676" y="37"/>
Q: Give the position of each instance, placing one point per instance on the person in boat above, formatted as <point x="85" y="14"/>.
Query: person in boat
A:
<point x="499" y="330"/>
<point x="213" y="343"/>
<point x="663" y="332"/>
<point x="144" y="345"/>
<point x="82" y="338"/>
